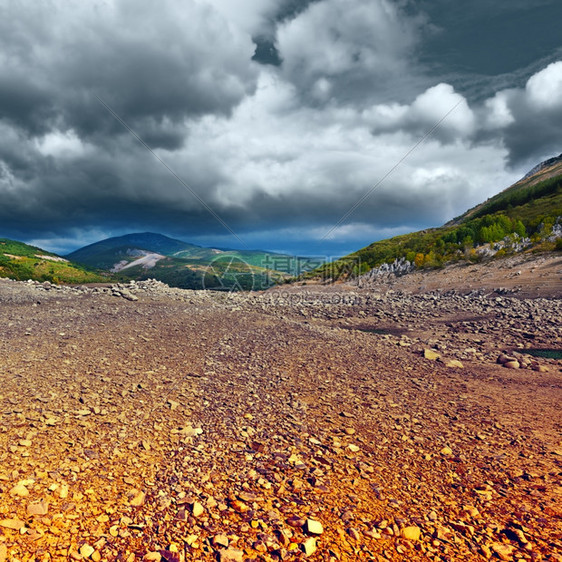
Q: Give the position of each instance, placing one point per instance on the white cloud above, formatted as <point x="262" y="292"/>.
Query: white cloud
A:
<point x="544" y="89"/>
<point x="442" y="104"/>
<point x="346" y="43"/>
<point x="439" y="104"/>
<point x="61" y="144"/>
<point x="528" y="120"/>
<point x="324" y="159"/>
<point x="249" y="15"/>
<point x="497" y="111"/>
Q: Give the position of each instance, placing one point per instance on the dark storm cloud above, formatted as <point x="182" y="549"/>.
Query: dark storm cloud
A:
<point x="151" y="64"/>
<point x="482" y="38"/>
<point x="281" y="146"/>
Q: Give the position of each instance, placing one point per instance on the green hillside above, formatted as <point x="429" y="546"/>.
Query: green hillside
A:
<point x="105" y="253"/>
<point x="185" y="265"/>
<point x="22" y="262"/>
<point x="225" y="273"/>
<point x="521" y="216"/>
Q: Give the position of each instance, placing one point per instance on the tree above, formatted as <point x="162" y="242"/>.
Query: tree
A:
<point x="519" y="228"/>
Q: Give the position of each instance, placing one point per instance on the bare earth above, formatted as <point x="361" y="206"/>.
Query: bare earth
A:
<point x="147" y="261"/>
<point x="526" y="275"/>
<point x="317" y="423"/>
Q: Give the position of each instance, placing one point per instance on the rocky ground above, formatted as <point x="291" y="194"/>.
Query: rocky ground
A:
<point x="526" y="274"/>
<point x="317" y="423"/>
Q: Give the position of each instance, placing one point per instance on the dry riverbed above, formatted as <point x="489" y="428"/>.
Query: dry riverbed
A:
<point x="144" y="422"/>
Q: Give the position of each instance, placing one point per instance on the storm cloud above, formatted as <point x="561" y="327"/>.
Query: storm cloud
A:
<point x="281" y="151"/>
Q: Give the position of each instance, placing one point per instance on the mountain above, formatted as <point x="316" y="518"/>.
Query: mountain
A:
<point x="105" y="254"/>
<point x="524" y="217"/>
<point x="547" y="164"/>
<point x="181" y="264"/>
<point x="21" y="261"/>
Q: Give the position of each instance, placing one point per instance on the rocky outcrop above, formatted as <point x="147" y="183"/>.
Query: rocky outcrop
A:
<point x="543" y="165"/>
<point x="397" y="268"/>
<point x="556" y="230"/>
<point x="512" y="243"/>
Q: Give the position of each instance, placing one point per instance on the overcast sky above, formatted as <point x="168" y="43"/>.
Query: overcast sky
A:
<point x="280" y="115"/>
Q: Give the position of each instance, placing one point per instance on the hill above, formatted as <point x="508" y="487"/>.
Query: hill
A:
<point x="524" y="217"/>
<point x="106" y="253"/>
<point x="181" y="264"/>
<point x="21" y="261"/>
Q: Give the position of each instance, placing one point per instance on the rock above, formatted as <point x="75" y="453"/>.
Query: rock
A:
<point x="504" y="551"/>
<point x="486" y="551"/>
<point x="138" y="499"/>
<point x="454" y="363"/>
<point x="472" y="511"/>
<point x="152" y="557"/>
<point x="410" y="533"/>
<point x="503" y="358"/>
<point x="19" y="490"/>
<point x="520" y="536"/>
<point x="14" y="524"/>
<point x="190" y="432"/>
<point x="309" y="546"/>
<point x="3" y="552"/>
<point x="430" y="354"/>
<point x="197" y="509"/>
<point x="87" y="550"/>
<point x="221" y="540"/>
<point x="39" y="508"/>
<point x="126" y="294"/>
<point x="447" y="451"/>
<point x="232" y="555"/>
<point x="248" y="497"/>
<point x="314" y="527"/>
<point x="354" y="534"/>
<point x="512" y="365"/>
<point x="296" y="522"/>
<point x="173" y="405"/>
<point x="239" y="506"/>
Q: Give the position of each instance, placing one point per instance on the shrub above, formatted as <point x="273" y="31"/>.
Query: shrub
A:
<point x="558" y="245"/>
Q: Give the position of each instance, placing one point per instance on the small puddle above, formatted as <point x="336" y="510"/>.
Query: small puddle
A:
<point x="380" y="331"/>
<point x="377" y="331"/>
<point x="544" y="353"/>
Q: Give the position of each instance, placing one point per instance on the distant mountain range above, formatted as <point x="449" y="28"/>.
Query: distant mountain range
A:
<point x="149" y="255"/>
<point x="181" y="264"/>
<point x="524" y="217"/>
